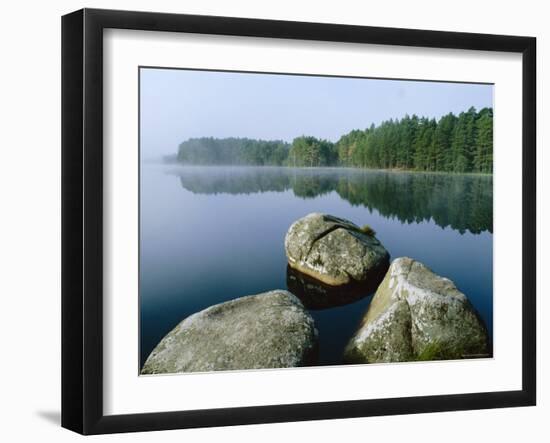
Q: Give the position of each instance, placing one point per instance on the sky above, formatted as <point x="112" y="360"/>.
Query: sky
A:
<point x="179" y="104"/>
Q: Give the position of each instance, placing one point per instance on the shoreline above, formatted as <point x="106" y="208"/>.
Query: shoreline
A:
<point x="351" y="168"/>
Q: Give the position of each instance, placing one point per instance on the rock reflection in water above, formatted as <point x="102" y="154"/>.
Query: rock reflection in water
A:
<point x="316" y="295"/>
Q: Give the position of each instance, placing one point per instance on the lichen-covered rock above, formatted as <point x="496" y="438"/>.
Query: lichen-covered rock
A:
<point x="268" y="330"/>
<point x="417" y="315"/>
<point x="335" y="251"/>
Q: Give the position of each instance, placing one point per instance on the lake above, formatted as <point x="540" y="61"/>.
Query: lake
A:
<point x="210" y="234"/>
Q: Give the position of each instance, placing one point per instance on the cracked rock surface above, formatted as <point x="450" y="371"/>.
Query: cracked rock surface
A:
<point x="267" y="330"/>
<point x="335" y="251"/>
<point x="417" y="315"/>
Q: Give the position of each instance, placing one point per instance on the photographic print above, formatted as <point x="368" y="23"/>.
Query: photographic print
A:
<point x="305" y="220"/>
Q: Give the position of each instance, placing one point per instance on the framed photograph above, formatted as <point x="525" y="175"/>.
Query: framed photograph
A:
<point x="268" y="221"/>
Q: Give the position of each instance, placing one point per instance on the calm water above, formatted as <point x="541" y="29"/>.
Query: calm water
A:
<point x="212" y="234"/>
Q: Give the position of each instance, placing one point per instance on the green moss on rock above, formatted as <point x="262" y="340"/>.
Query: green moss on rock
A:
<point x="417" y="315"/>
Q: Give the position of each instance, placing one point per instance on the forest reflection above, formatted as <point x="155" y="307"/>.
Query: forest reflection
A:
<point x="463" y="202"/>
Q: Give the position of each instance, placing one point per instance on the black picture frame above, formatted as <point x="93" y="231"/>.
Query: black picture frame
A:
<point x="82" y="218"/>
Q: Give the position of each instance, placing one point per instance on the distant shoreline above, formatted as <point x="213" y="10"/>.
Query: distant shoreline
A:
<point x="462" y="144"/>
<point x="354" y="168"/>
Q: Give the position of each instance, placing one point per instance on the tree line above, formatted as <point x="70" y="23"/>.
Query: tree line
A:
<point x="233" y="151"/>
<point x="462" y="143"/>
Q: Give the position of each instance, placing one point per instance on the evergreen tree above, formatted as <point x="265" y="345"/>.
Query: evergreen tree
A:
<point x="453" y="144"/>
<point x="483" y="157"/>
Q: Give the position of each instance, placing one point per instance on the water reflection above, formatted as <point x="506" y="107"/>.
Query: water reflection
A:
<point x="462" y="202"/>
<point x="203" y="241"/>
<point x="316" y="295"/>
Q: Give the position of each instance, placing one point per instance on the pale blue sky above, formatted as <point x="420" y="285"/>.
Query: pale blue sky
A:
<point x="179" y="104"/>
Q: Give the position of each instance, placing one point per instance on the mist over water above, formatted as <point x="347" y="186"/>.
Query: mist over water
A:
<point x="212" y="234"/>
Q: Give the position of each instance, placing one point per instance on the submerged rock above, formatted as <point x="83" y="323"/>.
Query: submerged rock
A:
<point x="268" y="330"/>
<point x="335" y="251"/>
<point x="315" y="294"/>
<point x="417" y="315"/>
